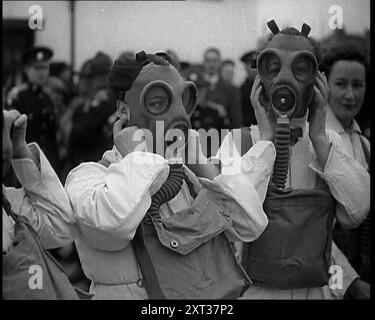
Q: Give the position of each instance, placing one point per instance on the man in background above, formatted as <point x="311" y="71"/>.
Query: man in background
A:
<point x="227" y="71"/>
<point x="218" y="101"/>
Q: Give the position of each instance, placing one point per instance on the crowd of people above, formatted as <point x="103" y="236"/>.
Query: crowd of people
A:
<point x="115" y="221"/>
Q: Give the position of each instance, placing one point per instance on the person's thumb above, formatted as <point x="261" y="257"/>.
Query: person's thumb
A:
<point x="19" y="131"/>
<point x="119" y="125"/>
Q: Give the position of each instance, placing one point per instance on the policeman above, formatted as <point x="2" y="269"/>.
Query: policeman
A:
<point x="31" y="99"/>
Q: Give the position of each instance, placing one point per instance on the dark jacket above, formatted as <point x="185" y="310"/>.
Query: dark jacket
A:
<point x="248" y="116"/>
<point x="88" y="138"/>
<point x="41" y="124"/>
<point x="219" y="107"/>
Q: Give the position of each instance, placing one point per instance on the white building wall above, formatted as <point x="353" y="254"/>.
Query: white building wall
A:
<point x="188" y="27"/>
<point x="56" y="31"/>
<point x="355" y="15"/>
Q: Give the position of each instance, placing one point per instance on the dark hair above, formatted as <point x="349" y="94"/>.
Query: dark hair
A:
<point x="169" y="58"/>
<point x="57" y="68"/>
<point x="347" y="52"/>
<point x="212" y="49"/>
<point x="126" y="69"/>
<point x="227" y="61"/>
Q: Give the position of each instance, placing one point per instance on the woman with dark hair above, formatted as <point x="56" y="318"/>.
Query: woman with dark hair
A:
<point x="345" y="67"/>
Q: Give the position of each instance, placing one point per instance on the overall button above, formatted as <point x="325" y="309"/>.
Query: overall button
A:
<point x="174" y="244"/>
<point x="140" y="283"/>
<point x="225" y="213"/>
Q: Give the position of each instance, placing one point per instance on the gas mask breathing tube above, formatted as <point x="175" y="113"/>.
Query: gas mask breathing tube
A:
<point x="176" y="176"/>
<point x="167" y="192"/>
<point x="287" y="68"/>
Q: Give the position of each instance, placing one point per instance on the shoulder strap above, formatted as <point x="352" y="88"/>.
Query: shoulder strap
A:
<point x="104" y="162"/>
<point x="366" y="150"/>
<point x="150" y="278"/>
<point x="190" y="185"/>
<point x="8" y="209"/>
<point x="246" y="141"/>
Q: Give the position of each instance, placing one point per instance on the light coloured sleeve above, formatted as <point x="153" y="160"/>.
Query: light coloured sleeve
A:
<point x="340" y="282"/>
<point x="42" y="200"/>
<point x="109" y="203"/>
<point x="348" y="181"/>
<point x="245" y="179"/>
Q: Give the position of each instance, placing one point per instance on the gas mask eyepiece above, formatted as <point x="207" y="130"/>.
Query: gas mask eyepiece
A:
<point x="157" y="97"/>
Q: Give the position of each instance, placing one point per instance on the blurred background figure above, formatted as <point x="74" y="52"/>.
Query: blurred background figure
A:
<point x="32" y="98"/>
<point x="63" y="72"/>
<point x="249" y="62"/>
<point x="57" y="90"/>
<point x="218" y="101"/>
<point x="84" y="125"/>
<point x="175" y="58"/>
<point x="13" y="80"/>
<point x="227" y="71"/>
<point x="127" y="53"/>
<point x="190" y="71"/>
<point x="345" y="67"/>
<point x="184" y="68"/>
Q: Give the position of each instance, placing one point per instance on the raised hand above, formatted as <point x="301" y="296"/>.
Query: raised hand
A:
<point x="318" y="108"/>
<point x="262" y="114"/>
<point x="124" y="138"/>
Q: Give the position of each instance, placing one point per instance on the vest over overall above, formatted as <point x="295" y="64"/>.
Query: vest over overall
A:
<point x="294" y="251"/>
<point x="28" y="259"/>
<point x="187" y="255"/>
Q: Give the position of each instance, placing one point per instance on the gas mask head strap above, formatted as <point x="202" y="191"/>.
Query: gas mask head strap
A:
<point x="273" y="27"/>
<point x="305" y="30"/>
<point x="159" y="58"/>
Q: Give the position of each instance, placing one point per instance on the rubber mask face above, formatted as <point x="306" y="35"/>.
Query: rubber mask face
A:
<point x="160" y="100"/>
<point x="287" y="68"/>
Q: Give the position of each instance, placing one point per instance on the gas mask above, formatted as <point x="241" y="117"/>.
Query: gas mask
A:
<point x="287" y="67"/>
<point x="160" y="100"/>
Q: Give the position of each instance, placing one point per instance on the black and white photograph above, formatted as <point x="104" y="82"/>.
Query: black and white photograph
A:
<point x="212" y="151"/>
